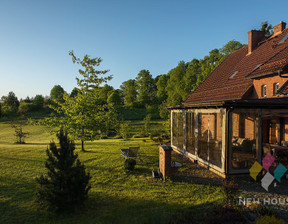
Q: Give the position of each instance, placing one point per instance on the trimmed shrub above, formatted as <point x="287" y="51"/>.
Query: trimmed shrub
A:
<point x="159" y="136"/>
<point x="129" y="164"/>
<point x="145" y="130"/>
<point x="124" y="130"/>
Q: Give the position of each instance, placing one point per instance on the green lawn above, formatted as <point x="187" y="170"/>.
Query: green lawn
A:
<point x="115" y="197"/>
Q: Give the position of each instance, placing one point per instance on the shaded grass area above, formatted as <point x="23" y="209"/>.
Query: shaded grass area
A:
<point x="135" y="113"/>
<point x="135" y="126"/>
<point x="115" y="197"/>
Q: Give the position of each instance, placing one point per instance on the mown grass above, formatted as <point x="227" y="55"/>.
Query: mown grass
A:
<point x="115" y="197"/>
<point x="136" y="126"/>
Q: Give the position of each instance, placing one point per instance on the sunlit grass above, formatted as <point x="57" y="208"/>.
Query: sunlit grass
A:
<point x="115" y="197"/>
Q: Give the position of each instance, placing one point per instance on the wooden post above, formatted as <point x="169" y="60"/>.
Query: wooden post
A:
<point x="196" y="134"/>
<point x="259" y="139"/>
<point x="224" y="140"/>
<point x="229" y="141"/>
<point x="184" y="130"/>
<point x="171" y="126"/>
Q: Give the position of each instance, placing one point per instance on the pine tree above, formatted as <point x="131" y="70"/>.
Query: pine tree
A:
<point x="66" y="185"/>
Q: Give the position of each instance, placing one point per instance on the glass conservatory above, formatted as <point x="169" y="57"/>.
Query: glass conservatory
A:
<point x="228" y="138"/>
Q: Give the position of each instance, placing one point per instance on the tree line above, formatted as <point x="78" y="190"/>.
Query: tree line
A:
<point x="152" y="95"/>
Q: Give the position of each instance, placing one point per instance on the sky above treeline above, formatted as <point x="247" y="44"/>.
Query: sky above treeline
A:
<point x="129" y="35"/>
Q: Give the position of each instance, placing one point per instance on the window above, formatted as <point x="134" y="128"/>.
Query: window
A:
<point x="283" y="39"/>
<point x="275" y="89"/>
<point x="256" y="67"/>
<point x="232" y="76"/>
<point x="264" y="87"/>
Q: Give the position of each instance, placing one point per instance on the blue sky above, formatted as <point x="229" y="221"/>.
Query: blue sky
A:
<point x="36" y="36"/>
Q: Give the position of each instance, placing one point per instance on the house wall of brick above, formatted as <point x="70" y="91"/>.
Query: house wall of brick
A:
<point x="165" y="161"/>
<point x="250" y="127"/>
<point x="214" y="127"/>
<point x="285" y="134"/>
<point x="243" y="126"/>
<point x="269" y="82"/>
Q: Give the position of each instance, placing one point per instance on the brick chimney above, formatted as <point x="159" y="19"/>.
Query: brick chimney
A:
<point x="254" y="37"/>
<point x="279" y="28"/>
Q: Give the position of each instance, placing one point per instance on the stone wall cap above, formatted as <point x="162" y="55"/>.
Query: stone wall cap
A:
<point x="166" y="147"/>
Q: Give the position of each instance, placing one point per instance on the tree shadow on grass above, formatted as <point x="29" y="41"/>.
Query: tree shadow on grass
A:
<point x="15" y="195"/>
<point x="21" y="159"/>
<point x="89" y="151"/>
<point x="17" y="206"/>
<point x="129" y="210"/>
<point x="31" y="143"/>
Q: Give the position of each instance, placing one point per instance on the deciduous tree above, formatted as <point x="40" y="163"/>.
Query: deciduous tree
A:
<point x="145" y="87"/>
<point x="267" y="28"/>
<point x="129" y="92"/>
<point x="74" y="92"/>
<point x="84" y="116"/>
<point x="56" y="93"/>
<point x="38" y="102"/>
<point x="10" y="103"/>
<point x="161" y="87"/>
<point x="105" y="91"/>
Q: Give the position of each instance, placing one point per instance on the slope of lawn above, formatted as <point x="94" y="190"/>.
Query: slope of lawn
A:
<point x="115" y="197"/>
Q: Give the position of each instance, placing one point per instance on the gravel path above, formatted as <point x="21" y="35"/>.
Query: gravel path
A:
<point x="277" y="196"/>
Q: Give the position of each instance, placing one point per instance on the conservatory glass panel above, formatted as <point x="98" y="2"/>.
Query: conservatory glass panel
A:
<point x="180" y="130"/>
<point x="215" y="139"/>
<point x="177" y="129"/>
<point x="174" y="129"/>
<point x="204" y="135"/>
<point x="210" y="138"/>
<point x="190" y="132"/>
<point x="243" y="140"/>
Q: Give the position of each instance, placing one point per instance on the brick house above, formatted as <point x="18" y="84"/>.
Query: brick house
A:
<point x="240" y="112"/>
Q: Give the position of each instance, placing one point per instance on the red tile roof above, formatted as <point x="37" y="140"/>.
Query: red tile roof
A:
<point x="269" y="57"/>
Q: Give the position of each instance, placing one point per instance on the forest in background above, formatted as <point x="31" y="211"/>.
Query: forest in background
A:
<point x="136" y="98"/>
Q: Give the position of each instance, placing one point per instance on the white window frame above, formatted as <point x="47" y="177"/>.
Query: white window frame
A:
<point x="275" y="89"/>
<point x="264" y="90"/>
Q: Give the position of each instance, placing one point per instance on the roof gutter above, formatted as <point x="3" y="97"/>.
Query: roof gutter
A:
<point x="265" y="74"/>
<point x="212" y="103"/>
